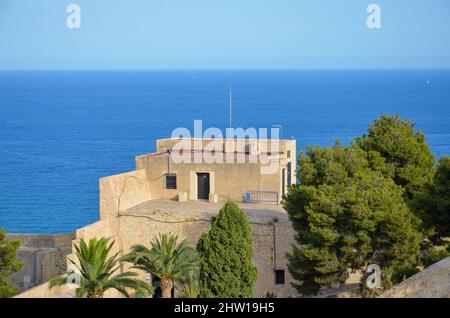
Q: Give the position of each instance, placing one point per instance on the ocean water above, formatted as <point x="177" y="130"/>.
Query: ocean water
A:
<point x="60" y="131"/>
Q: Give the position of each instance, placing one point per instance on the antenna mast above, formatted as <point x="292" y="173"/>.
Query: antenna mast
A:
<point x="231" y="107"/>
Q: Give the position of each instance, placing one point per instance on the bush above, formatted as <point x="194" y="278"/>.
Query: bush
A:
<point x="226" y="254"/>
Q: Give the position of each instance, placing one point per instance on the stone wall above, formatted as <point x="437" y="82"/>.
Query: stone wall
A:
<point x="228" y="181"/>
<point x="123" y="191"/>
<point x="43" y="256"/>
<point x="271" y="242"/>
<point x="432" y="282"/>
<point x="141" y="224"/>
<point x="239" y="145"/>
<point x="42" y="291"/>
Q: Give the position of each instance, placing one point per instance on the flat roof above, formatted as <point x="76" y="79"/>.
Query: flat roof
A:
<point x="171" y="210"/>
<point x="225" y="139"/>
<point x="210" y="154"/>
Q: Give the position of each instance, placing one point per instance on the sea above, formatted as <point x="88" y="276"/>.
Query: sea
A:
<point x="60" y="131"/>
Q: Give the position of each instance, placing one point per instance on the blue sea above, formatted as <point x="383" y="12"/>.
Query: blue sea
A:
<point x="60" y="131"/>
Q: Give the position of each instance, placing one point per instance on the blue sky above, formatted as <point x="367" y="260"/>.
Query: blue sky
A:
<point x="194" y="34"/>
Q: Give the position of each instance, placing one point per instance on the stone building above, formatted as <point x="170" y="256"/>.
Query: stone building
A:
<point x="179" y="189"/>
<point x="43" y="256"/>
<point x="219" y="170"/>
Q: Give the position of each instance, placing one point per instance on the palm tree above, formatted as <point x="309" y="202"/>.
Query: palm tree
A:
<point x="189" y="286"/>
<point x="96" y="272"/>
<point x="166" y="260"/>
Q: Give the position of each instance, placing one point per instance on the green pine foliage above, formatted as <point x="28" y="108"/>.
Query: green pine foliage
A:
<point x="434" y="254"/>
<point x="434" y="203"/>
<point x="8" y="264"/>
<point x="347" y="216"/>
<point x="395" y="148"/>
<point x="226" y="253"/>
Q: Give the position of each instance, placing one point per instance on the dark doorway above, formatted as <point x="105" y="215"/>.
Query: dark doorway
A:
<point x="283" y="182"/>
<point x="203" y="186"/>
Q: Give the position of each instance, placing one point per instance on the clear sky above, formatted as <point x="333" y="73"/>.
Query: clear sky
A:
<point x="224" y="34"/>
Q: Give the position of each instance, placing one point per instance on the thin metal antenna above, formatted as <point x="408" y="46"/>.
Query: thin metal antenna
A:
<point x="231" y="105"/>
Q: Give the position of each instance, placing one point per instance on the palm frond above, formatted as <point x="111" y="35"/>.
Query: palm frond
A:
<point x="165" y="259"/>
<point x="97" y="270"/>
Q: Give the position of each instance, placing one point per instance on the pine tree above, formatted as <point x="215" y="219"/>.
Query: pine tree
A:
<point x="226" y="253"/>
<point x="395" y="148"/>
<point x="434" y="204"/>
<point x="346" y="216"/>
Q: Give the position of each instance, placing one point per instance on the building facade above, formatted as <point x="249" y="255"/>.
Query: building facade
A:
<point x="179" y="190"/>
<point x="220" y="170"/>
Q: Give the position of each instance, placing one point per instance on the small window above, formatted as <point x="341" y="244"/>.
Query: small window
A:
<point x="288" y="153"/>
<point x="279" y="277"/>
<point x="171" y="181"/>
<point x="289" y="172"/>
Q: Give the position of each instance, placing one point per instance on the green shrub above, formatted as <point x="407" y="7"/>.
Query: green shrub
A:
<point x="226" y="256"/>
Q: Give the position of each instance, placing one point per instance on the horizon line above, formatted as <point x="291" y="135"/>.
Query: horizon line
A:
<point x="228" y="69"/>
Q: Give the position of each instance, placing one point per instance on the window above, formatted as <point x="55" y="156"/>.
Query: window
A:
<point x="279" y="277"/>
<point x="171" y="181"/>
<point x="288" y="153"/>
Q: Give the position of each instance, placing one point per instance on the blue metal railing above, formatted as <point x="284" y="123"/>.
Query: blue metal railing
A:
<point x="261" y="196"/>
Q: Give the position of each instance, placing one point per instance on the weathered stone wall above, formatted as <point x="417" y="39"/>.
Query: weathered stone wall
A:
<point x="123" y="191"/>
<point x="42" y="291"/>
<point x="107" y="228"/>
<point x="228" y="181"/>
<point x="43" y="256"/>
<point x="103" y="228"/>
<point x="239" y="145"/>
<point x="271" y="241"/>
<point x="432" y="282"/>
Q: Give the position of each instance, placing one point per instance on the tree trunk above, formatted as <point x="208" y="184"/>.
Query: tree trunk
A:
<point x="166" y="288"/>
<point x="95" y="295"/>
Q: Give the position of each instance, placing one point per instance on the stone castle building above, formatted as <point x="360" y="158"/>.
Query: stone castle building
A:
<point x="180" y="187"/>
